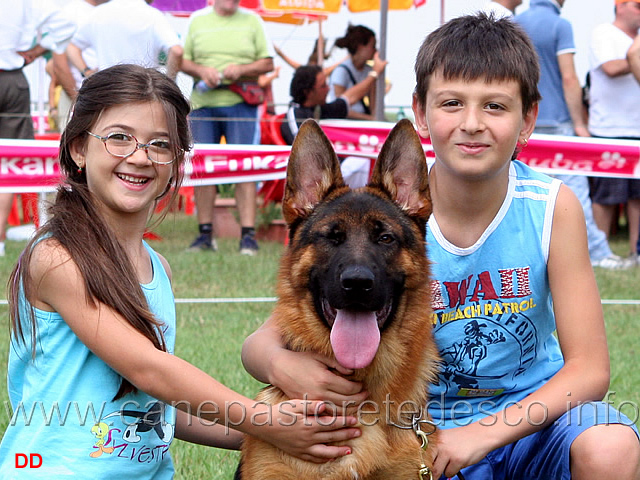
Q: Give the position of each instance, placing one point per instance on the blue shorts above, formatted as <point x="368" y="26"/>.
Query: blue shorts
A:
<point x="239" y="124"/>
<point x="545" y="454"/>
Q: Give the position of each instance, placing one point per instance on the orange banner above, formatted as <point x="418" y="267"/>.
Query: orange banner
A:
<point x="369" y="5"/>
<point x="304" y="6"/>
<point x="333" y="6"/>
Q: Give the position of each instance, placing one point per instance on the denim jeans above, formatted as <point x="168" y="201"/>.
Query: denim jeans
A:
<point x="238" y="123"/>
<point x="545" y="453"/>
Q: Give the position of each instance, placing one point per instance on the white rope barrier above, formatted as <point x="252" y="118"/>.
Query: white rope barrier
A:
<point x="273" y="299"/>
<point x="227" y="300"/>
<point x="620" y="302"/>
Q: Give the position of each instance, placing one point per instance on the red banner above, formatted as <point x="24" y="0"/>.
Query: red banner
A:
<point x="554" y="154"/>
<point x="215" y="164"/>
<point x="32" y="166"/>
<point x="28" y="165"/>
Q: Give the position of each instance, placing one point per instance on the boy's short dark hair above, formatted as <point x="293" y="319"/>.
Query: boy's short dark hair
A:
<point x="479" y="46"/>
<point x="304" y="79"/>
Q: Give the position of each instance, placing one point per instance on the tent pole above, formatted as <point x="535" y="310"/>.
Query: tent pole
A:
<point x="380" y="88"/>
<point x="320" y="44"/>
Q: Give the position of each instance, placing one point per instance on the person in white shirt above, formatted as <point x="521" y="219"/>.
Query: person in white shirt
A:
<point x="614" y="112"/>
<point x="126" y="31"/>
<point x="78" y="11"/>
<point x="22" y="21"/>
<point x="501" y="8"/>
<point x="633" y="57"/>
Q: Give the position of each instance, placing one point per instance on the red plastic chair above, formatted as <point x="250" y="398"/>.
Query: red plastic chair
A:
<point x="47" y="136"/>
<point x="272" y="190"/>
<point x="29" y="210"/>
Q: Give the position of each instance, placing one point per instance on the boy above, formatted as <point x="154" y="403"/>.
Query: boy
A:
<point x="510" y="266"/>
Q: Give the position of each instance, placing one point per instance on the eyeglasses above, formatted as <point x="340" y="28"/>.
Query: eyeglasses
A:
<point x="123" y="145"/>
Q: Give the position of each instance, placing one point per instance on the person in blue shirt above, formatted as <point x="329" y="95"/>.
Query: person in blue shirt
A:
<point x="360" y="42"/>
<point x="516" y="312"/>
<point x="561" y="108"/>
<point x="93" y="314"/>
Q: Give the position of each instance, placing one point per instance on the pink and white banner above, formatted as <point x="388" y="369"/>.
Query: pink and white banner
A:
<point x="552" y="154"/>
<point x="28" y="165"/>
<point x="216" y="164"/>
<point x="32" y="166"/>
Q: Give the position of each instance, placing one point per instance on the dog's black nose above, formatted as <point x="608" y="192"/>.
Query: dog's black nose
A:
<point x="357" y="278"/>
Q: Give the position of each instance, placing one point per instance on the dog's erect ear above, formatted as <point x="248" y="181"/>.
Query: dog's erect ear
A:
<point x="401" y="171"/>
<point x="312" y="172"/>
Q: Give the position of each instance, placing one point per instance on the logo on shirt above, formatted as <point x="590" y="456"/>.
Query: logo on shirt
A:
<point x="490" y="339"/>
<point x="136" y="442"/>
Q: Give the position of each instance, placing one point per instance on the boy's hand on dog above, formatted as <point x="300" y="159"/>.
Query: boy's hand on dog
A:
<point x="303" y="429"/>
<point x="322" y="380"/>
<point x="458" y="448"/>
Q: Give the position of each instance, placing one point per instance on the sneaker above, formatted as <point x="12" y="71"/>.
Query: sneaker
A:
<point x="614" y="262"/>
<point x="248" y="245"/>
<point x="203" y="242"/>
<point x="2" y="249"/>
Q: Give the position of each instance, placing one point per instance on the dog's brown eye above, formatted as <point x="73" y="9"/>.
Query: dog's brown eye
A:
<point x="386" y="238"/>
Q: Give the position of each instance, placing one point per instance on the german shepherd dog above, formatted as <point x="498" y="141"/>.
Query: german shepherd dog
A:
<point x="354" y="285"/>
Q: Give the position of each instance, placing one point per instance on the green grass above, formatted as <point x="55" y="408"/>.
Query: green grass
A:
<point x="210" y="335"/>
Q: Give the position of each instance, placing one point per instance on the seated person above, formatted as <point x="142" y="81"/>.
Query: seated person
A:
<point x="360" y="42"/>
<point x="309" y="91"/>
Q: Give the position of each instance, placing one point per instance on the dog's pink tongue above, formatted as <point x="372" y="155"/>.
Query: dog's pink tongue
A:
<point x="355" y="338"/>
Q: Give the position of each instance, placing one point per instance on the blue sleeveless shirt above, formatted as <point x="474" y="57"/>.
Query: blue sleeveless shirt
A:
<point x="492" y="310"/>
<point x="63" y="408"/>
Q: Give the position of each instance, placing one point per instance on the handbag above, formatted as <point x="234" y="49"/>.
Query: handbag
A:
<point x="251" y="92"/>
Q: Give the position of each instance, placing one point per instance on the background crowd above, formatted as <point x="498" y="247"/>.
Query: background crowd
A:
<point x="225" y="45"/>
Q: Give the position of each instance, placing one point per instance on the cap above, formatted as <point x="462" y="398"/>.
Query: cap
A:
<point x="618" y="2"/>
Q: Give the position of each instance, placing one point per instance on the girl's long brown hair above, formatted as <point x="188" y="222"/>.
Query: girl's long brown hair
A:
<point x="75" y="221"/>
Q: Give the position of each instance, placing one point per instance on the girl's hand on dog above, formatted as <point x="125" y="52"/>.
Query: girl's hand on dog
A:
<point x="315" y="377"/>
<point x="303" y="429"/>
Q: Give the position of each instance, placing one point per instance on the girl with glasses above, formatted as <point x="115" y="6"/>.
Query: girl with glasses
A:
<point x="93" y="314"/>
